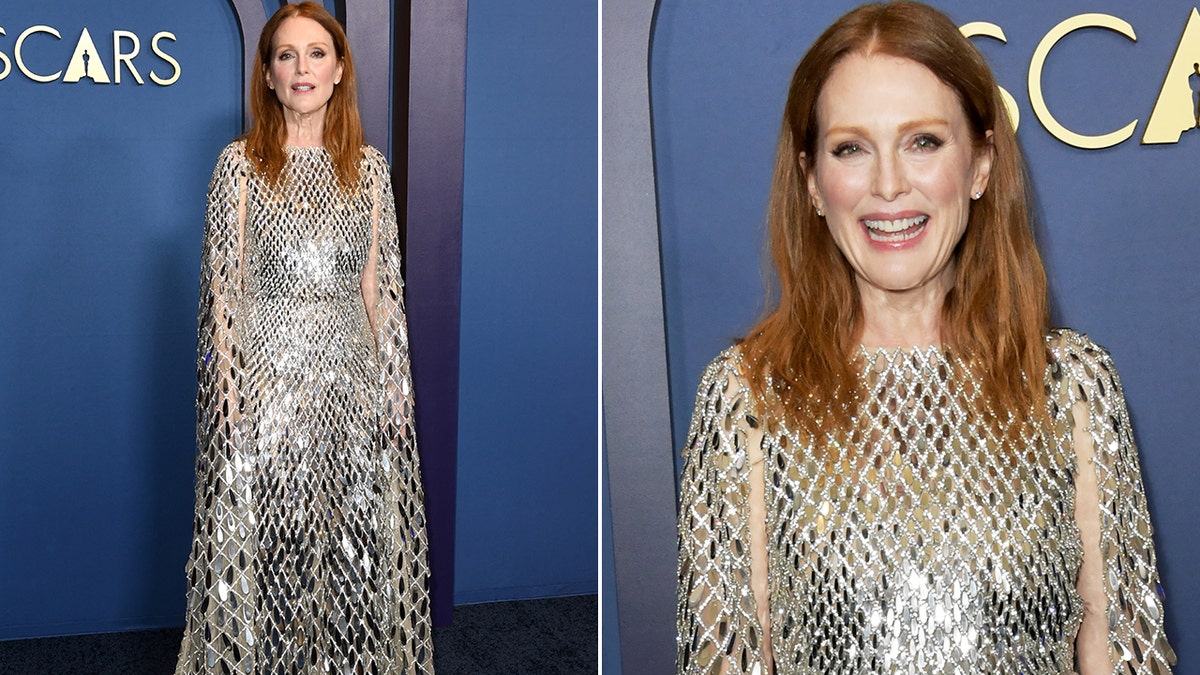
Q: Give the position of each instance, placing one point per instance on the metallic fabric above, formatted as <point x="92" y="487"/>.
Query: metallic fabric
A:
<point x="921" y="543"/>
<point x="310" y="550"/>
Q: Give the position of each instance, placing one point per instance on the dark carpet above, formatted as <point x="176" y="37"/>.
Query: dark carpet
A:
<point x="556" y="635"/>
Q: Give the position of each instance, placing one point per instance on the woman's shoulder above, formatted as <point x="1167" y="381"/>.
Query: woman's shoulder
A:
<point x="373" y="157"/>
<point x="728" y="365"/>
<point x="1070" y="344"/>
<point x="1082" y="359"/>
<point x="725" y="398"/>
<point x="231" y="159"/>
<point x="230" y="166"/>
<point x="233" y="152"/>
<point x="725" y="380"/>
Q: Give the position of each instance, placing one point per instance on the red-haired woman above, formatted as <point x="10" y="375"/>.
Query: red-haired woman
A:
<point x="310" y="547"/>
<point x="902" y="469"/>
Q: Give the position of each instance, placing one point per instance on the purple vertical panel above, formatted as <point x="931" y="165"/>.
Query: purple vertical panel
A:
<point x="251" y="17"/>
<point x="437" y="72"/>
<point x="369" y="29"/>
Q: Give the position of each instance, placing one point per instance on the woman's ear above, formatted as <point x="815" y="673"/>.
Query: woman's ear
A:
<point x="810" y="178"/>
<point x="983" y="165"/>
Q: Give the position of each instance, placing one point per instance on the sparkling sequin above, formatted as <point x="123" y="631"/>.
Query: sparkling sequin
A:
<point x="310" y="551"/>
<point x="921" y="546"/>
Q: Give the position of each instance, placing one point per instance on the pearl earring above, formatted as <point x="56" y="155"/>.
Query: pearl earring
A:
<point x="978" y="195"/>
<point x="820" y="213"/>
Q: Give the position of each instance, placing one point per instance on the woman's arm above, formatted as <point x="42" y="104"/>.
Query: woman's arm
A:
<point x="722" y="551"/>
<point x="219" y="577"/>
<point x="383" y="297"/>
<point x="1091" y="644"/>
<point x="1119" y="581"/>
<point x="370" y="277"/>
<point x="219" y="358"/>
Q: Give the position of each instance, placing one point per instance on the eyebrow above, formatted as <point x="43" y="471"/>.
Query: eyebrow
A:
<point x="288" y="45"/>
<point x="904" y="128"/>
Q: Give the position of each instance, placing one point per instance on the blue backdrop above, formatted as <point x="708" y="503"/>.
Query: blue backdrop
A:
<point x="103" y="207"/>
<point x="1116" y="223"/>
<point x="100" y="225"/>
<point x="527" y="396"/>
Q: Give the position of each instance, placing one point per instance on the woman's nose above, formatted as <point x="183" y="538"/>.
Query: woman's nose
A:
<point x="890" y="179"/>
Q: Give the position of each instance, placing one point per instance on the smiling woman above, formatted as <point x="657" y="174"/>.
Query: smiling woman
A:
<point x="902" y="468"/>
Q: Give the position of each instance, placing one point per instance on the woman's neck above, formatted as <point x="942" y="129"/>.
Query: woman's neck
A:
<point x="305" y="130"/>
<point x="908" y="319"/>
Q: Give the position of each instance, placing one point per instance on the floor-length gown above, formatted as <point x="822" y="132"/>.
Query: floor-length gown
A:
<point x="310" y="549"/>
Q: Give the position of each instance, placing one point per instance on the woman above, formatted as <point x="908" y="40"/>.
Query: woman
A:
<point x="902" y="469"/>
<point x="310" y="547"/>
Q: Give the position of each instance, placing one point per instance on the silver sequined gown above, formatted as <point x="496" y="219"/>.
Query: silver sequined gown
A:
<point x="310" y="550"/>
<point x="925" y="547"/>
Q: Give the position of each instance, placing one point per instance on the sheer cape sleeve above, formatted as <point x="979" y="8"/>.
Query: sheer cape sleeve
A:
<point x="720" y="627"/>
<point x="223" y="465"/>
<point x="398" y="429"/>
<point x="1112" y="512"/>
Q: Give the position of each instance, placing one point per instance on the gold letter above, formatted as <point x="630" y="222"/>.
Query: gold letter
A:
<point x="7" y="64"/>
<point x="165" y="57"/>
<point x="120" y="57"/>
<point x="1174" y="111"/>
<point x="1035" y="81"/>
<point x="991" y="30"/>
<point x="21" y="62"/>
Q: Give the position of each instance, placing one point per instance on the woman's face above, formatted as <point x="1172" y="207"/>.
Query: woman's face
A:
<point x="894" y="172"/>
<point x="304" y="67"/>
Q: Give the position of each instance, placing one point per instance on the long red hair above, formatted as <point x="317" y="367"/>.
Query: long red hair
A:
<point x="343" y="137"/>
<point x="804" y="353"/>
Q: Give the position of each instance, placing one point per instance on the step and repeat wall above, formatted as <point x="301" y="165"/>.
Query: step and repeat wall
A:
<point x="112" y="115"/>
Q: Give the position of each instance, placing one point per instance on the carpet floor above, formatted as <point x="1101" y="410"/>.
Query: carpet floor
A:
<point x="553" y="636"/>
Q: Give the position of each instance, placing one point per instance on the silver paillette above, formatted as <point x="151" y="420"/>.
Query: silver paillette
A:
<point x="310" y="550"/>
<point x="925" y="546"/>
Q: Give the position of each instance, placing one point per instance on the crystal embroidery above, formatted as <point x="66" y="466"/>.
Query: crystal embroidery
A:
<point x="310" y="550"/>
<point x="922" y="548"/>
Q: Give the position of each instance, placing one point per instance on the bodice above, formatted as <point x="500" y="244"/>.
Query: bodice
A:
<point x="925" y="536"/>
<point x="306" y="244"/>
<point x="922" y="541"/>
